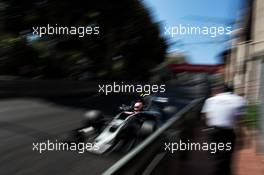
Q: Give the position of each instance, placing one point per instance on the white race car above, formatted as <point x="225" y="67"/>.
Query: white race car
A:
<point x="123" y="131"/>
<point x="122" y="128"/>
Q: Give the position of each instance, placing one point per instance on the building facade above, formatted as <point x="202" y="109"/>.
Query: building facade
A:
<point x="245" y="61"/>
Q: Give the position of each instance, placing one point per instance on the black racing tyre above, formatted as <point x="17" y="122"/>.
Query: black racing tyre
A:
<point x="169" y="110"/>
<point x="147" y="128"/>
<point x="93" y="118"/>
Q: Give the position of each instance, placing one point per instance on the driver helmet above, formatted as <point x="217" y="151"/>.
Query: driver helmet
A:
<point x="138" y="106"/>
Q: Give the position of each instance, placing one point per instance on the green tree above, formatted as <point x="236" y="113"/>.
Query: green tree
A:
<point x="128" y="46"/>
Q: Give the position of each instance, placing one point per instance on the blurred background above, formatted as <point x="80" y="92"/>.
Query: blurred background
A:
<point x="123" y="42"/>
<point x="65" y="70"/>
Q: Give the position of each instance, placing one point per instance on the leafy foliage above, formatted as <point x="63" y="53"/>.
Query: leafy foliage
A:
<point x="128" y="45"/>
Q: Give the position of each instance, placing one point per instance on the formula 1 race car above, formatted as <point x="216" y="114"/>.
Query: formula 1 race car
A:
<point x="125" y="130"/>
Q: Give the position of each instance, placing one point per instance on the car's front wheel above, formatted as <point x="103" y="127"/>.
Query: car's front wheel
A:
<point x="93" y="118"/>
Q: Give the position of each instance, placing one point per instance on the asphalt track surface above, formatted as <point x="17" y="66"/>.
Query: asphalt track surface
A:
<point x="24" y="121"/>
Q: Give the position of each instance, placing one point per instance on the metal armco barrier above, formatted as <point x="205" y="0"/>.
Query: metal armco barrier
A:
<point x="148" y="157"/>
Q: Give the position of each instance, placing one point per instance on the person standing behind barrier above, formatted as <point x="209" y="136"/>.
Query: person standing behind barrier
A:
<point x="222" y="111"/>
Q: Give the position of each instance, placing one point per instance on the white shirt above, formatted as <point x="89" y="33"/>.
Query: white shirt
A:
<point x="223" y="109"/>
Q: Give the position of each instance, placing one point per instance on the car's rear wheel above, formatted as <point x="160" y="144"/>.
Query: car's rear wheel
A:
<point x="147" y="128"/>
